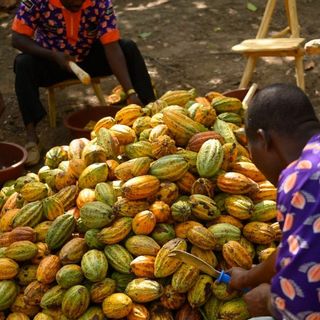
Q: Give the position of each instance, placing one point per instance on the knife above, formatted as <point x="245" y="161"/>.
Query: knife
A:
<point x="194" y="261"/>
<point x="83" y="76"/>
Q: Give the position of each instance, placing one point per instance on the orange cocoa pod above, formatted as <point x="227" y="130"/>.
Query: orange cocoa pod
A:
<point x="144" y="222"/>
<point x="48" y="268"/>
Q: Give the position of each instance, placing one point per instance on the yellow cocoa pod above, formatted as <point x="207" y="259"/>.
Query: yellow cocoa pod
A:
<point x="249" y="170"/>
<point x="117" y="305"/>
<point x="267" y="191"/>
<point x="206" y="255"/>
<point x="181" y="229"/>
<point x="201" y="291"/>
<point x="116" y="232"/>
<point x="144" y="290"/>
<point x="9" y="269"/>
<point x="201" y="237"/>
<point x="236" y="255"/>
<point x="184" y="278"/>
<point x="264" y="254"/>
<point x="235" y="309"/>
<point x="165" y="265"/>
<point x="259" y="232"/>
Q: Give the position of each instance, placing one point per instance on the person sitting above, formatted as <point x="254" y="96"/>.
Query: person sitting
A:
<point x="50" y="33"/>
<point x="284" y="141"/>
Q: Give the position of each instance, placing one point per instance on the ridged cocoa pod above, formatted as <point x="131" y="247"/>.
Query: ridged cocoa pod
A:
<point x="138" y="312"/>
<point x="43" y="251"/>
<point x="142" y="245"/>
<point x="143" y="266"/>
<point x="17" y="316"/>
<point x="264" y="254"/>
<point x="206" y="255"/>
<point x="21" y="250"/>
<point x="226" y="219"/>
<point x="48" y="268"/>
<point x="235" y="309"/>
<point x="129" y="208"/>
<point x="172" y="299"/>
<point x="188" y="313"/>
<point x="181" y="229"/>
<point x="159" y="312"/>
<point x="201" y="237"/>
<point x="117" y="305"/>
<point x="184" y="278"/>
<point x="203" y="186"/>
<point x="249" y="170"/>
<point x="34" y="292"/>
<point x="19" y="305"/>
<point x="17" y="234"/>
<point x="236" y="255"/>
<point x="100" y="290"/>
<point x="211" y="308"/>
<point x="236" y="183"/>
<point x="9" y="269"/>
<point x="165" y="265"/>
<point x="220" y="291"/>
<point x="168" y="193"/>
<point x="73" y="251"/>
<point x="144" y="290"/>
<point x="199" y="139"/>
<point x="27" y="274"/>
<point x="259" y="232"/>
<point x="201" y="291"/>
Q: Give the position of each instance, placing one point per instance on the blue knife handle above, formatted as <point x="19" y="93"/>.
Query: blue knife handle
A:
<point x="225" y="278"/>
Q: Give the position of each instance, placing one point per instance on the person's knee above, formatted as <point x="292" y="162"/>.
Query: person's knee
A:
<point x="23" y="63"/>
<point x="129" y="46"/>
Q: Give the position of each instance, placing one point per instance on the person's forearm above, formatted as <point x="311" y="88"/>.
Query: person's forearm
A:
<point x="29" y="46"/>
<point x="118" y="64"/>
<point x="261" y="273"/>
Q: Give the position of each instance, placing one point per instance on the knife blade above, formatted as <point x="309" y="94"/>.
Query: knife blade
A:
<point x="194" y="261"/>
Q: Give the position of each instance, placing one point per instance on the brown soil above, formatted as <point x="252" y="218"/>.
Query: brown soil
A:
<point x="186" y="43"/>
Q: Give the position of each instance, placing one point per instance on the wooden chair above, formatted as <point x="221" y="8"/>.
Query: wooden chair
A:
<point x="52" y="105"/>
<point x="277" y="45"/>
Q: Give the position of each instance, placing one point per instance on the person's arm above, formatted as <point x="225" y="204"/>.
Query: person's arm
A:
<point x="119" y="68"/>
<point x="29" y="46"/>
<point x="261" y="273"/>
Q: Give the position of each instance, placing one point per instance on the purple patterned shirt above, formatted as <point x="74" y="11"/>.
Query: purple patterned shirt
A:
<point x="296" y="286"/>
<point x="56" y="28"/>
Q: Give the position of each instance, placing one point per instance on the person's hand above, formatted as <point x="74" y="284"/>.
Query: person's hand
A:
<point x="238" y="279"/>
<point x="258" y="300"/>
<point x="62" y="60"/>
<point x="134" y="99"/>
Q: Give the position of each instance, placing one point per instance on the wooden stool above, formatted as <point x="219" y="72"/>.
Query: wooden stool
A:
<point x="95" y="83"/>
<point x="277" y="45"/>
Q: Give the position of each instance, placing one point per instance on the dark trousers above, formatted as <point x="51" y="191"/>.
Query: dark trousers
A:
<point x="33" y="72"/>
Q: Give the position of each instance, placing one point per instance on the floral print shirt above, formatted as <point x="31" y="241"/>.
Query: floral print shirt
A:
<point x="54" y="27"/>
<point x="296" y="286"/>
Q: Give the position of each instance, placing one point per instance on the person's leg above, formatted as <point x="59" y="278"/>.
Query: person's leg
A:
<point x="32" y="73"/>
<point x="97" y="65"/>
<point x="138" y="71"/>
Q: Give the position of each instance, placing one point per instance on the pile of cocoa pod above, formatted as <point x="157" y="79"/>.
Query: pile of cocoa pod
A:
<point x="89" y="235"/>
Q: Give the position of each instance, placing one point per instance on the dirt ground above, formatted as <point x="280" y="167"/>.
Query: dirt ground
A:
<point x="186" y="43"/>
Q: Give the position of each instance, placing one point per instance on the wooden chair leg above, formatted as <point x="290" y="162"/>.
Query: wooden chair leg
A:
<point x="300" y="72"/>
<point x="248" y="72"/>
<point x="52" y="107"/>
<point x="98" y="92"/>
